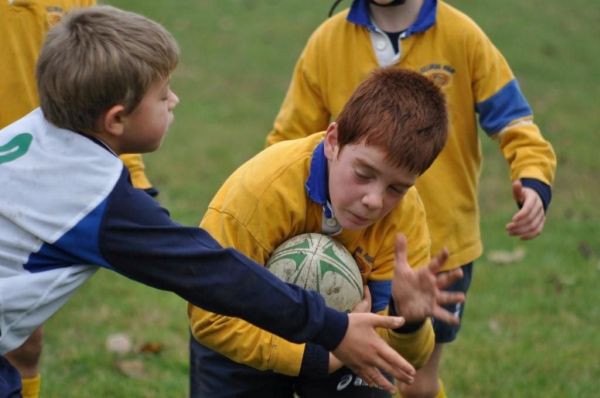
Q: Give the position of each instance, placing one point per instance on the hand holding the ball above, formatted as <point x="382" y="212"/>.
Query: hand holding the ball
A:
<point x="364" y="305"/>
<point x="418" y="293"/>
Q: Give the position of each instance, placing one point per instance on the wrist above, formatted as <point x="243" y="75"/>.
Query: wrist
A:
<point x="411" y="324"/>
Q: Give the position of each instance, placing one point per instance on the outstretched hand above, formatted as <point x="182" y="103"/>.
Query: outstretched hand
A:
<point x="418" y="293"/>
<point x="367" y="354"/>
<point x="528" y="222"/>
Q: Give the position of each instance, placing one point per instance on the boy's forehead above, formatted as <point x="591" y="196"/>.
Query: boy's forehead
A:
<point x="372" y="155"/>
<point x="377" y="159"/>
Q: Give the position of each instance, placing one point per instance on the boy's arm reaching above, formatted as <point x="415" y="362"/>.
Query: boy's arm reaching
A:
<point x="138" y="239"/>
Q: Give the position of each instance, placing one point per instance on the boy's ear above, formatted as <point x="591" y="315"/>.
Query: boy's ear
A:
<point x="113" y="120"/>
<point x="331" y="142"/>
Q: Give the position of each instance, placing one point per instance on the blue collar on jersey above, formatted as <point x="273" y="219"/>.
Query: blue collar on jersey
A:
<point x="317" y="183"/>
<point x="359" y="15"/>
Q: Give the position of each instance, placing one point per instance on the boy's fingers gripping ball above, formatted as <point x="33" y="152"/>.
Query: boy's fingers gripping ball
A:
<point x="319" y="262"/>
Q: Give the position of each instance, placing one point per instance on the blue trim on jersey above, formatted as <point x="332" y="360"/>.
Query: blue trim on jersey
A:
<point x="541" y="188"/>
<point x="409" y="327"/>
<point x="381" y="291"/>
<point x="359" y="14"/>
<point x="425" y="20"/>
<point x="317" y="186"/>
<point x="78" y="246"/>
<point x="502" y="108"/>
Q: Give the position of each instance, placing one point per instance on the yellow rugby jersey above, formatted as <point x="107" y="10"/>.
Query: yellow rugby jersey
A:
<point x="447" y="46"/>
<point x="264" y="203"/>
<point x="23" y="27"/>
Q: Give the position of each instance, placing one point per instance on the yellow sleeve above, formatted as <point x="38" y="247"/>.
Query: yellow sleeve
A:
<point x="415" y="347"/>
<point x="235" y="338"/>
<point x="527" y="152"/>
<point x="137" y="170"/>
<point x="521" y="142"/>
<point x="303" y="111"/>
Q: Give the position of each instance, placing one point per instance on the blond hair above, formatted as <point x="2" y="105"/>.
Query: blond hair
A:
<point x="98" y="57"/>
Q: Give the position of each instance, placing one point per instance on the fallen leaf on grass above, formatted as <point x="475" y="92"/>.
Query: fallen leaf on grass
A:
<point x="585" y="249"/>
<point x="504" y="257"/>
<point x="119" y="343"/>
<point x="152" y="347"/>
<point x="133" y="368"/>
<point x="494" y="326"/>
<point x="560" y="282"/>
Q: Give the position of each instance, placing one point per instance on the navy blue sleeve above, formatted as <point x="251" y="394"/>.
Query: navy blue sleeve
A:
<point x="315" y="361"/>
<point x="139" y="240"/>
<point x="542" y="189"/>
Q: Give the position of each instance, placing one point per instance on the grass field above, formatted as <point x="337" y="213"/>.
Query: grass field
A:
<point x="531" y="327"/>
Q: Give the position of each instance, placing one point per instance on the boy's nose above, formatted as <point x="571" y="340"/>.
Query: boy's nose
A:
<point x="173" y="100"/>
<point x="373" y="200"/>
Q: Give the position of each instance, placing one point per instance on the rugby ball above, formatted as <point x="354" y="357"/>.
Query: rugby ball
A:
<point x="319" y="262"/>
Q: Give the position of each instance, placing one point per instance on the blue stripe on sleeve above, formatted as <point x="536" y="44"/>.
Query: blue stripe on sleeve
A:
<point x="381" y="291"/>
<point x="504" y="107"/>
<point x="77" y="246"/>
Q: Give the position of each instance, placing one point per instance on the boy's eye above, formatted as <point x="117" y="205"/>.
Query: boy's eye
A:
<point x="397" y="190"/>
<point x="361" y="176"/>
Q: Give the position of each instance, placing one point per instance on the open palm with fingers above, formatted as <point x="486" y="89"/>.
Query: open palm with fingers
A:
<point x="417" y="292"/>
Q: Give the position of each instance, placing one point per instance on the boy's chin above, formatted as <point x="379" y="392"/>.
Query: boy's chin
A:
<point x="350" y="225"/>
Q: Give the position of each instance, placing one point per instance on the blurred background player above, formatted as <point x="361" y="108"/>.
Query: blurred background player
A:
<point x="23" y="26"/>
<point x="442" y="43"/>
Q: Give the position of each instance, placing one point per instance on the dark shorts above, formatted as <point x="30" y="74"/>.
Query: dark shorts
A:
<point x="445" y="333"/>
<point x="212" y="375"/>
<point x="343" y="383"/>
<point x="10" y="380"/>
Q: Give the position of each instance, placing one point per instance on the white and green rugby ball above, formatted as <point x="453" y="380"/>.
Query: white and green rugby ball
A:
<point x="319" y="262"/>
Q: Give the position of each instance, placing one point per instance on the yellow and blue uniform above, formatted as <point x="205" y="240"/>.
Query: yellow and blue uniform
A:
<point x="280" y="193"/>
<point x="447" y="46"/>
<point x="23" y="27"/>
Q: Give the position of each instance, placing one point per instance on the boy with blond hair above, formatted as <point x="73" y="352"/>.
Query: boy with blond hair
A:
<point x="67" y="206"/>
<point x="440" y="42"/>
<point x="354" y="182"/>
<point x="23" y="26"/>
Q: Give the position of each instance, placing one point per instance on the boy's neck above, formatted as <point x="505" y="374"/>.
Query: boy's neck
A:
<point x="398" y="18"/>
<point x="103" y="140"/>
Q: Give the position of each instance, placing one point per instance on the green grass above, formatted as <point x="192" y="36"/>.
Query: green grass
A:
<point x="531" y="328"/>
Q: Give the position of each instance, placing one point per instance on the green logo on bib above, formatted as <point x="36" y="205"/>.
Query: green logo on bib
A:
<point x="15" y="148"/>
